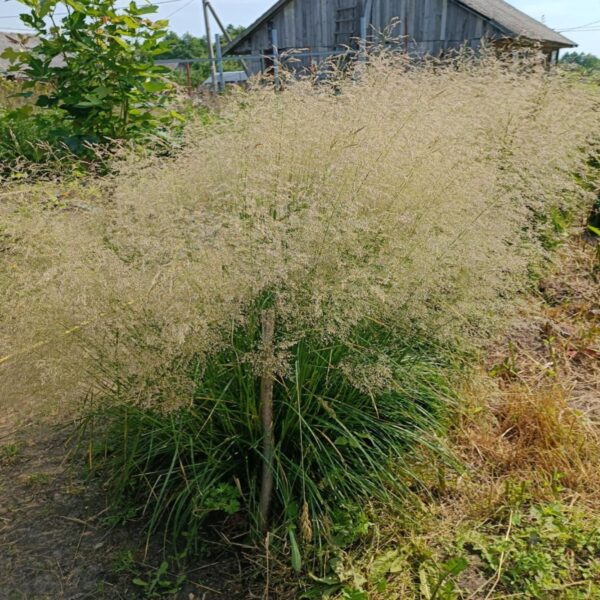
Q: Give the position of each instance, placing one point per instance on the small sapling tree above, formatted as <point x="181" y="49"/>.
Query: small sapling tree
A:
<point x="95" y="62"/>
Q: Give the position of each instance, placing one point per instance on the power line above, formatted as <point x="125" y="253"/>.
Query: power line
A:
<point x="64" y="14"/>
<point x="180" y="9"/>
<point x="580" y="26"/>
<point x="591" y="29"/>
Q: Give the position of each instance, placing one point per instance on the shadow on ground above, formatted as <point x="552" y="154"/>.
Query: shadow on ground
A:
<point x="56" y="542"/>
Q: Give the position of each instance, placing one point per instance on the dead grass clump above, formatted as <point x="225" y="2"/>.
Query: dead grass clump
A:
<point x="533" y="435"/>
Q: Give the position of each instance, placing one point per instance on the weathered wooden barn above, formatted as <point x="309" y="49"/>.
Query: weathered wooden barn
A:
<point x="426" y="26"/>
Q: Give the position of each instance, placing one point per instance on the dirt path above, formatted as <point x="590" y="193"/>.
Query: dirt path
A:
<point x="57" y="540"/>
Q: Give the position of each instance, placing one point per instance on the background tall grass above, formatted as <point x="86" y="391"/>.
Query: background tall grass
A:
<point x="389" y="218"/>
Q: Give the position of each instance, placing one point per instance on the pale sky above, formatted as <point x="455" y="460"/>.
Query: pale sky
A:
<point x="186" y="16"/>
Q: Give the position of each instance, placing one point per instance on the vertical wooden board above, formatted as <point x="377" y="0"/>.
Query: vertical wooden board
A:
<point x="426" y="27"/>
<point x="300" y="25"/>
<point x="444" y="20"/>
<point x="324" y="42"/>
<point x="479" y="27"/>
<point x="254" y="41"/>
<point x="328" y="14"/>
<point x="306" y="23"/>
<point x="457" y="23"/>
<point x="262" y="39"/>
<point x="469" y="26"/>
<point x="436" y="26"/>
<point x="299" y="42"/>
<point x="289" y="37"/>
<point x="474" y="23"/>
<point x="377" y="21"/>
<point x="279" y="24"/>
<point x="319" y="32"/>
<point x="404" y="16"/>
<point x="390" y="11"/>
<point x="414" y="20"/>
<point x="305" y="17"/>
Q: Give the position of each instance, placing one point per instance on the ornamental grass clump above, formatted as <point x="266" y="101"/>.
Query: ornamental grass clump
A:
<point x="385" y="221"/>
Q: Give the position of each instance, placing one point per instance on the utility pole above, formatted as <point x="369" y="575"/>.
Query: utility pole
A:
<point x="225" y="32"/>
<point x="211" y="53"/>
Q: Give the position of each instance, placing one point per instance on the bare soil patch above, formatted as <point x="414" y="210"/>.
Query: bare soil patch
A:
<point x="556" y="338"/>
<point x="57" y="542"/>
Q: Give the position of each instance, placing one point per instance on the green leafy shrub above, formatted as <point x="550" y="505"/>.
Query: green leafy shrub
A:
<point x="33" y="136"/>
<point x="528" y="550"/>
<point x="92" y="77"/>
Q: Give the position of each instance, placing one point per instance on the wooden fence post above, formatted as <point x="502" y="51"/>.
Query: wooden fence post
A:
<point x="211" y="54"/>
<point x="275" y="43"/>
<point x="220" y="62"/>
<point x="363" y="40"/>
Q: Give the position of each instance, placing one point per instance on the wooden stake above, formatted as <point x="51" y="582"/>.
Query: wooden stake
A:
<point x="211" y="52"/>
<point x="266" y="413"/>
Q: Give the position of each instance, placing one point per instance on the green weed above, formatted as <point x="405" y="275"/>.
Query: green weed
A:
<point x="9" y="453"/>
<point x="541" y="552"/>
<point x="158" y="583"/>
<point x="537" y="551"/>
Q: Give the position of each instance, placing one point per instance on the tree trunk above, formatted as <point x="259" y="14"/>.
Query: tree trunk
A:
<point x="266" y="413"/>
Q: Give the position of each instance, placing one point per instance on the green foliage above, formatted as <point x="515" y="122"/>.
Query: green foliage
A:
<point x="9" y="453"/>
<point x="10" y="97"/>
<point x="349" y="524"/>
<point x="34" y="136"/>
<point x="151" y="582"/>
<point x="587" y="62"/>
<point x="438" y="583"/>
<point x="158" y="583"/>
<point x="97" y="66"/>
<point x="337" y="447"/>
<point x="531" y="550"/>
<point x="184" y="46"/>
<point x="543" y="550"/>
<point x="189" y="46"/>
<point x="594" y="220"/>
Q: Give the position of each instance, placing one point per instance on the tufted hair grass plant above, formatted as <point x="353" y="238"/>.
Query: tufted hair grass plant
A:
<point x="389" y="219"/>
<point x="337" y="445"/>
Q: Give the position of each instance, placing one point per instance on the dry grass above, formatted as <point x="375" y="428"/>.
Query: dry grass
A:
<point x="405" y="197"/>
<point x="528" y="437"/>
<point x="533" y="436"/>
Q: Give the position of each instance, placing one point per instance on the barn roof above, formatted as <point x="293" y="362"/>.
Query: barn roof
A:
<point x="510" y="20"/>
<point x="515" y="22"/>
<point x="250" y="29"/>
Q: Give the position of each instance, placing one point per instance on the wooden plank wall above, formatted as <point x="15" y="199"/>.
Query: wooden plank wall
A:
<point x="311" y="24"/>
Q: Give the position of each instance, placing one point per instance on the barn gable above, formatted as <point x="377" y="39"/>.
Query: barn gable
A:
<point x="434" y="25"/>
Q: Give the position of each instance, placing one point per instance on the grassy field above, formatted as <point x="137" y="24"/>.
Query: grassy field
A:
<point x="402" y="260"/>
